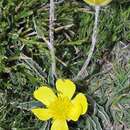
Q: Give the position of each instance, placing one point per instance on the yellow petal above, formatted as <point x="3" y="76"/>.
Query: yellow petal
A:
<point x="66" y="87"/>
<point x="98" y="2"/>
<point x="42" y="114"/>
<point x="75" y="111"/>
<point x="45" y="95"/>
<point x="82" y="100"/>
<point x="59" y="125"/>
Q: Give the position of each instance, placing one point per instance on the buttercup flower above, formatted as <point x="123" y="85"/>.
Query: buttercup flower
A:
<point x="98" y="2"/>
<point x="61" y="107"/>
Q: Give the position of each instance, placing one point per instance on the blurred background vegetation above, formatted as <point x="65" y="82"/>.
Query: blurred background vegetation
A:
<point x="25" y="61"/>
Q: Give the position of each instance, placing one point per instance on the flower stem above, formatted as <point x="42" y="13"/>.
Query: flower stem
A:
<point x="51" y="37"/>
<point x="82" y="73"/>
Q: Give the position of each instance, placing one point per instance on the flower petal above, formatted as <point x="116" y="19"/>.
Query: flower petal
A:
<point x="42" y="114"/>
<point x="45" y="95"/>
<point x="59" y="125"/>
<point x="66" y="87"/>
<point x="82" y="100"/>
<point x="98" y="2"/>
<point x="79" y="107"/>
<point x="75" y="111"/>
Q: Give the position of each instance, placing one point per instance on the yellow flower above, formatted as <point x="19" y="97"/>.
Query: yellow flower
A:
<point x="61" y="107"/>
<point x="98" y="2"/>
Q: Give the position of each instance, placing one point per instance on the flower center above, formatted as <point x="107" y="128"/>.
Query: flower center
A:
<point x="60" y="107"/>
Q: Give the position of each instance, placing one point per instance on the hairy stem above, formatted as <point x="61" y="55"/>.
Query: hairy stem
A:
<point x="51" y="36"/>
<point x="82" y="73"/>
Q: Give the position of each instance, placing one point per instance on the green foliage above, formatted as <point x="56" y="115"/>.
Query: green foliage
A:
<point x="25" y="61"/>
